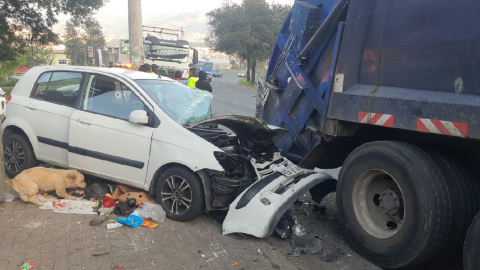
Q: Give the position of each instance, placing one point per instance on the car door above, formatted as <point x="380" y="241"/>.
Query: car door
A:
<point x="102" y="140"/>
<point x="49" y="110"/>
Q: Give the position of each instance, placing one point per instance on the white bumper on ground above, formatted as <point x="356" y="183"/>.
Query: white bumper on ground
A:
<point x="259" y="208"/>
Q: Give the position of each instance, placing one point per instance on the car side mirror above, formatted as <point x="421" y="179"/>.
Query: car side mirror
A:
<point x="138" y="117"/>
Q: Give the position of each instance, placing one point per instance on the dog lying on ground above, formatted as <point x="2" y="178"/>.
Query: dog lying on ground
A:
<point x="33" y="180"/>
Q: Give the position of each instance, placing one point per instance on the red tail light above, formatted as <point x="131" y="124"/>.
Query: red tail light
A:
<point x="9" y="98"/>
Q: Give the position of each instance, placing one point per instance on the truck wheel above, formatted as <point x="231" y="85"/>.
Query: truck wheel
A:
<point x="471" y="248"/>
<point x="394" y="203"/>
<point x="18" y="154"/>
<point x="180" y="193"/>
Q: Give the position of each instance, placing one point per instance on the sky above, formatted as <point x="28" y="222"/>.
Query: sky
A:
<point x="162" y="13"/>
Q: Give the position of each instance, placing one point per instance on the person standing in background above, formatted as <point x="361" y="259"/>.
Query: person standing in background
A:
<point x="203" y="83"/>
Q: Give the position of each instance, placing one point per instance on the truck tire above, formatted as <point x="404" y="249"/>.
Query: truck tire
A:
<point x="396" y="203"/>
<point x="180" y="192"/>
<point x="471" y="248"/>
<point x="18" y="154"/>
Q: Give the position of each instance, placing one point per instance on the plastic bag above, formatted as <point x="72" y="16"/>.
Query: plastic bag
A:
<point x="132" y="221"/>
<point x="151" y="211"/>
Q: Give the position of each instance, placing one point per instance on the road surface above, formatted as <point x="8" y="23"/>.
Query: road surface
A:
<point x="231" y="98"/>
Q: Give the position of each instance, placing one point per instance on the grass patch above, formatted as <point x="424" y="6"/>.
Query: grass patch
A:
<point x="248" y="85"/>
<point x="8" y="83"/>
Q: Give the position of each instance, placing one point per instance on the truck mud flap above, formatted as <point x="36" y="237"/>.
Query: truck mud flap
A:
<point x="261" y="214"/>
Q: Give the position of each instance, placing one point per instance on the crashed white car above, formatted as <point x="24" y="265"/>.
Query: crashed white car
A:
<point x="155" y="134"/>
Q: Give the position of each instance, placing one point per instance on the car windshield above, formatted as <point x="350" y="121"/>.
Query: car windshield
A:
<point x="183" y="104"/>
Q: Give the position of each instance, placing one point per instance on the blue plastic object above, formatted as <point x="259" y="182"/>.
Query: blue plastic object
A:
<point x="132" y="221"/>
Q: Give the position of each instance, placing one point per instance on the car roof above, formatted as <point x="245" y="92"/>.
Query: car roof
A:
<point x="132" y="74"/>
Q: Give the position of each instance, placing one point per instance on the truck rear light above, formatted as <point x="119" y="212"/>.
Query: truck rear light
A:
<point x="9" y="98"/>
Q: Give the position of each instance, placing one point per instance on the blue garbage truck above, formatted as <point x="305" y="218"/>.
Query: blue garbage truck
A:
<point x="389" y="91"/>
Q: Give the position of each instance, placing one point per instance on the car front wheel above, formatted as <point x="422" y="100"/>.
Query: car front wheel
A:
<point x="180" y="193"/>
<point x="18" y="155"/>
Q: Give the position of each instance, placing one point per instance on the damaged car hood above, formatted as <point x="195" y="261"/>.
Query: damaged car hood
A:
<point x="248" y="129"/>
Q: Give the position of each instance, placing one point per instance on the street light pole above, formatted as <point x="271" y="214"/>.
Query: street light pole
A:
<point x="181" y="28"/>
<point x="135" y="32"/>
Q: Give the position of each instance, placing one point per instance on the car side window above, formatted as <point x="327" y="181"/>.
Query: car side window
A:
<point x="59" y="87"/>
<point x="41" y="86"/>
<point x="110" y="97"/>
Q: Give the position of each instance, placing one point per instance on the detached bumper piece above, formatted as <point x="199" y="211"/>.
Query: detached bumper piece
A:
<point x="259" y="208"/>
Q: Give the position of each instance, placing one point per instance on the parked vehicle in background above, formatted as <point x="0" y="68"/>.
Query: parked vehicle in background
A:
<point x="389" y="93"/>
<point x="3" y="101"/>
<point x="241" y="74"/>
<point x="155" y="134"/>
<point x="206" y="66"/>
<point x="218" y="73"/>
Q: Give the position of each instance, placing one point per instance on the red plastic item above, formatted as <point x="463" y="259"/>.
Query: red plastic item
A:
<point x="121" y="266"/>
<point x="109" y="202"/>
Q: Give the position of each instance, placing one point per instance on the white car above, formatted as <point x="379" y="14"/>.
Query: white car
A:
<point x="3" y="101"/>
<point x="155" y="134"/>
<point x="241" y="74"/>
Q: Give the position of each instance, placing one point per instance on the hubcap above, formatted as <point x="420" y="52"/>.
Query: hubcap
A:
<point x="378" y="204"/>
<point x="14" y="157"/>
<point x="176" y="195"/>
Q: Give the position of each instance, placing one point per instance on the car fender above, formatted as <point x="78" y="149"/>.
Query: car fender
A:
<point x="21" y="124"/>
<point x="259" y="208"/>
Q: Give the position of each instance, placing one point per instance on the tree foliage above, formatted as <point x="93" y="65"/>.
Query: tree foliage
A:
<point x="38" y="56"/>
<point x="78" y="37"/>
<point x="31" y="21"/>
<point x="248" y="29"/>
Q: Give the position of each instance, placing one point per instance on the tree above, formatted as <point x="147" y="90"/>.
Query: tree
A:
<point x="248" y="29"/>
<point x="232" y="62"/>
<point x="78" y="38"/>
<point x="39" y="56"/>
<point x="32" y="21"/>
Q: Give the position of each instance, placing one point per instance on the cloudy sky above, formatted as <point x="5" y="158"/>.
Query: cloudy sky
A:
<point x="170" y="14"/>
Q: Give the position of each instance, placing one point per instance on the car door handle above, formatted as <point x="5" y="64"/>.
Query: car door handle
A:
<point x="84" y="120"/>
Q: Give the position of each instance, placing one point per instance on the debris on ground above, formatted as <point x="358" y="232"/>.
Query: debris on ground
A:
<point x="120" y="267"/>
<point x="150" y="211"/>
<point x="96" y="190"/>
<point x="100" y="252"/>
<point x="123" y="193"/>
<point x="8" y="183"/>
<point x="132" y="221"/>
<point x="149" y="224"/>
<point x="27" y="266"/>
<point x="307" y="244"/>
<point x="9" y="197"/>
<point x="320" y="209"/>
<point x="77" y="206"/>
<point x="126" y="208"/>
<point x="285" y="225"/>
<point x="114" y="225"/>
<point x="298" y="229"/>
<point x="99" y="220"/>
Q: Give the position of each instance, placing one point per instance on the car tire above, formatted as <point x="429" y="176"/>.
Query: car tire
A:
<point x="180" y="192"/>
<point x="18" y="154"/>
<point x="471" y="248"/>
<point x="396" y="203"/>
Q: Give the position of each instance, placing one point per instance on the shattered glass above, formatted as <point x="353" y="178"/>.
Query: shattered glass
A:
<point x="181" y="103"/>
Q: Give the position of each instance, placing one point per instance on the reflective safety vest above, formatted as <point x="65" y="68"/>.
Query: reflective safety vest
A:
<point x="192" y="81"/>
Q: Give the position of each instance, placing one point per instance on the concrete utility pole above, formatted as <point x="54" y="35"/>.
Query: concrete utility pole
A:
<point x="135" y="32"/>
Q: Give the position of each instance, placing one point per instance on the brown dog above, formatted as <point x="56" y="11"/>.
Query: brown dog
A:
<point x="31" y="181"/>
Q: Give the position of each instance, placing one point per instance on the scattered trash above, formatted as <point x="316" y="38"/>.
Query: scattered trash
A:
<point x="298" y="203"/>
<point x="8" y="183"/>
<point x="109" y="202"/>
<point x="132" y="221"/>
<point x="284" y="226"/>
<point x="9" y="197"/>
<point x="151" y="211"/>
<point x="99" y="220"/>
<point x="298" y="229"/>
<point x="96" y="190"/>
<point x="235" y="263"/>
<point x="27" y="266"/>
<point x="320" y="209"/>
<point x="149" y="224"/>
<point x="75" y="206"/>
<point x="123" y="193"/>
<point x="106" y="211"/>
<point x="121" y="266"/>
<point x="307" y="244"/>
<point x="126" y="208"/>
<point x="114" y="225"/>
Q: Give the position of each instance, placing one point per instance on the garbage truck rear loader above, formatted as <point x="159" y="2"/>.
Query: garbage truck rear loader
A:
<point x="390" y="92"/>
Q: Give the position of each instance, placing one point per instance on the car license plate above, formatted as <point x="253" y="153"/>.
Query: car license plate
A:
<point x="291" y="170"/>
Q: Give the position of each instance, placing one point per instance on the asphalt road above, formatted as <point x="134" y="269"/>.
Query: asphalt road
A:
<point x="231" y="98"/>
